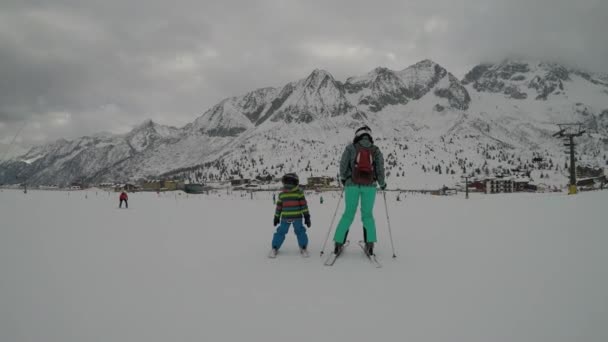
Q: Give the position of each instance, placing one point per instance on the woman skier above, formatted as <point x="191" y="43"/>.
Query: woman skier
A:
<point x="361" y="170"/>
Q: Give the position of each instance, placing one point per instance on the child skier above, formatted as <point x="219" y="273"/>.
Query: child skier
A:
<point x="291" y="208"/>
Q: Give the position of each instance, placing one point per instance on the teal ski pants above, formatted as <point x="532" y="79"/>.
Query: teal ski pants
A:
<point x="352" y="194"/>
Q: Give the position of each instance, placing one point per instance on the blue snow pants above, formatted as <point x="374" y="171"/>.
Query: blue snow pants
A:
<point x="298" y="228"/>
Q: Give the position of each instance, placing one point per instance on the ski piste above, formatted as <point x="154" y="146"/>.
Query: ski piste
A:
<point x="370" y="257"/>
<point x="331" y="259"/>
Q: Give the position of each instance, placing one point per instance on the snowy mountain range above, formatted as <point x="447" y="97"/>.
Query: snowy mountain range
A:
<point x="431" y="126"/>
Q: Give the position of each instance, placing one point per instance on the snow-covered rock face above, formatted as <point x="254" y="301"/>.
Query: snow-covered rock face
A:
<point x="256" y="103"/>
<point x="383" y="87"/>
<point x="431" y="126"/>
<point x="223" y="120"/>
<point x="233" y="116"/>
<point x="79" y="160"/>
<point x="421" y="77"/>
<point x="316" y="97"/>
<point x="519" y="80"/>
<point x="378" y="89"/>
<point x="146" y="134"/>
<point x="426" y="76"/>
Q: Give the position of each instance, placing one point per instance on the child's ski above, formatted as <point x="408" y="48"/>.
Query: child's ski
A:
<point x="331" y="259"/>
<point x="273" y="253"/>
<point x="371" y="257"/>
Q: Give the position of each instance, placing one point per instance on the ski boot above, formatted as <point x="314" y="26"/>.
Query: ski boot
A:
<point x="369" y="248"/>
<point x="273" y="253"/>
<point x="338" y="248"/>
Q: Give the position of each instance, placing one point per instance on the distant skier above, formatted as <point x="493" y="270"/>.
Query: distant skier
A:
<point x="361" y="169"/>
<point x="290" y="209"/>
<point x="274" y="198"/>
<point x="124" y="198"/>
<point x="321" y="200"/>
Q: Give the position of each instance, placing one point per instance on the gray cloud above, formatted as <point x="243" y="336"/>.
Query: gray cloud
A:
<point x="71" y="68"/>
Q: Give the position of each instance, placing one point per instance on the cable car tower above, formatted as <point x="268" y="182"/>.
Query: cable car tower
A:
<point x="567" y="132"/>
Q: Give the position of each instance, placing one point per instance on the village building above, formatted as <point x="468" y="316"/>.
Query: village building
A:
<point x="126" y="187"/>
<point x="239" y="182"/>
<point x="522" y="184"/>
<point x="162" y="185"/>
<point x="499" y="185"/>
<point x="319" y="182"/>
<point x="194" y="188"/>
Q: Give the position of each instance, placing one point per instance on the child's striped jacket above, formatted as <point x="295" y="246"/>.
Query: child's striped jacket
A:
<point x="292" y="204"/>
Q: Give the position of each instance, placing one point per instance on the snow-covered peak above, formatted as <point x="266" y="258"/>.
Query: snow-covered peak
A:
<point x="152" y="127"/>
<point x="421" y="77"/>
<point x="427" y="76"/>
<point x="377" y="89"/>
<point x="224" y="119"/>
<point x="370" y="76"/>
<point x="519" y="79"/>
<point x="425" y="64"/>
<point x="253" y="104"/>
<point x="146" y="133"/>
<point x="146" y="124"/>
<point x="318" y="77"/>
<point x="317" y="96"/>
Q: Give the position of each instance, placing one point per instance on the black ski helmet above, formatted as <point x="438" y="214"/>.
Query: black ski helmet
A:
<point x="290" y="179"/>
<point x="361" y="132"/>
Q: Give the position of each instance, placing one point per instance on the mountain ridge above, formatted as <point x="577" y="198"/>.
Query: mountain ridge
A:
<point x="507" y="107"/>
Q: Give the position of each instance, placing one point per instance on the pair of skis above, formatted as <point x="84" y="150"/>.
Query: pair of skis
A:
<point x="273" y="253"/>
<point x="331" y="259"/>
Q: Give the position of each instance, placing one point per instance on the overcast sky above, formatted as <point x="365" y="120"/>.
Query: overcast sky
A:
<point x="75" y="67"/>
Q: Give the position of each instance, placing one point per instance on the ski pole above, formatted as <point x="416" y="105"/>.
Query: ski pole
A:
<point x="332" y="222"/>
<point x="390" y="234"/>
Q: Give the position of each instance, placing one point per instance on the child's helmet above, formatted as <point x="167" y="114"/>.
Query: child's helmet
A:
<point x="290" y="179"/>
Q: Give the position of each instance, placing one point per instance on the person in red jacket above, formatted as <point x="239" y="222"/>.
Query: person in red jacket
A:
<point x="125" y="198"/>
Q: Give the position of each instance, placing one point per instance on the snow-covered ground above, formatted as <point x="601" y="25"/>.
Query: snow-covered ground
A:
<point x="519" y="267"/>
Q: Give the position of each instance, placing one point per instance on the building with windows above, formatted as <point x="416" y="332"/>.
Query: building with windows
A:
<point x="315" y="182"/>
<point x="499" y="185"/>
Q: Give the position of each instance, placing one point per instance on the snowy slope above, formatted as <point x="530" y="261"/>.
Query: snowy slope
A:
<point x="431" y="126"/>
<point x="520" y="267"/>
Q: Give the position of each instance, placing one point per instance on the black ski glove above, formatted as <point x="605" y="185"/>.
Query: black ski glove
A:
<point x="307" y="221"/>
<point x="383" y="187"/>
<point x="343" y="181"/>
<point x="275" y="221"/>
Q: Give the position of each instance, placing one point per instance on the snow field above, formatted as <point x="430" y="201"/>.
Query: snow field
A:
<point x="519" y="267"/>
